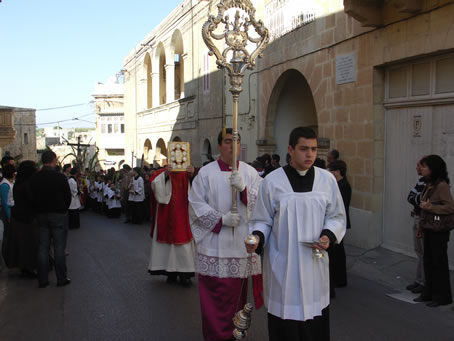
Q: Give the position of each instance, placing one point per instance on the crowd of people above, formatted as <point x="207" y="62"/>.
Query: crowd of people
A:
<point x="291" y="218"/>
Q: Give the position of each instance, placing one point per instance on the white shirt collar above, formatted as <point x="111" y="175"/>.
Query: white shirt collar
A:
<point x="302" y="172"/>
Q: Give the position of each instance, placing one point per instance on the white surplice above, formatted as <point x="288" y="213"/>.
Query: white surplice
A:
<point x="296" y="285"/>
<point x="164" y="256"/>
<point x="222" y="254"/>
<point x="112" y="201"/>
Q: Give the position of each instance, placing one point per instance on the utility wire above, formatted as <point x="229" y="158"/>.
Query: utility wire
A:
<point x="65" y="106"/>
<point x="78" y="118"/>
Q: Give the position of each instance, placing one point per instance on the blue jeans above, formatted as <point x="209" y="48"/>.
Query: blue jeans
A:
<point x="52" y="226"/>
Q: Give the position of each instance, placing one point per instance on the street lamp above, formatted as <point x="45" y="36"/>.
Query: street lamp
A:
<point x="240" y="45"/>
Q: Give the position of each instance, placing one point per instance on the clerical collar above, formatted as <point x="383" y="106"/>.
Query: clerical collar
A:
<point x="226" y="167"/>
<point x="302" y="172"/>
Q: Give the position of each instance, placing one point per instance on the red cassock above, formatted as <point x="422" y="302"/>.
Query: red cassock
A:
<point x="172" y="219"/>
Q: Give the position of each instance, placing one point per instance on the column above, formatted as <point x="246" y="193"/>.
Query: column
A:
<point x="155" y="89"/>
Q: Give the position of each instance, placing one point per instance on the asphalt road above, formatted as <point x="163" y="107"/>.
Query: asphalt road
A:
<point x="112" y="297"/>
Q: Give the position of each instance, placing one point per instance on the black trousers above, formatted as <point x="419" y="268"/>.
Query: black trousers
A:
<point x="337" y="265"/>
<point x="52" y="226"/>
<point x="436" y="267"/>
<point x="291" y="330"/>
<point x="137" y="211"/>
<point x="73" y="219"/>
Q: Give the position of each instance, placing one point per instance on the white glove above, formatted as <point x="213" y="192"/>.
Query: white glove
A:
<point x="231" y="219"/>
<point x="237" y="181"/>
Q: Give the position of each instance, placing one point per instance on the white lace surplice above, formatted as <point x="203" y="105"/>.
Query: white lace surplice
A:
<point x="222" y="254"/>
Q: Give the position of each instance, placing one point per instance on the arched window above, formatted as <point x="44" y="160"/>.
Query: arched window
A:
<point x="177" y="43"/>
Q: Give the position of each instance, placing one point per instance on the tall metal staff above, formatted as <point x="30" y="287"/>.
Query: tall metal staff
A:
<point x="236" y="36"/>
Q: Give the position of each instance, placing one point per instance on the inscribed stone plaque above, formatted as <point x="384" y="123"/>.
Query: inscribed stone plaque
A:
<point x="346" y="68"/>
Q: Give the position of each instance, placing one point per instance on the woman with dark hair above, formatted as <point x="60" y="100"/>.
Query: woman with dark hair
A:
<point x="436" y="199"/>
<point x="137" y="196"/>
<point x="25" y="233"/>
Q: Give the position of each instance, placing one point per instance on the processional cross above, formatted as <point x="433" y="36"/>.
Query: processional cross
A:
<point x="240" y="36"/>
<point x="240" y="54"/>
<point x="78" y="144"/>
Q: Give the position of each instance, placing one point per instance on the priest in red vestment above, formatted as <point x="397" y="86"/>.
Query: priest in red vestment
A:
<point x="172" y="247"/>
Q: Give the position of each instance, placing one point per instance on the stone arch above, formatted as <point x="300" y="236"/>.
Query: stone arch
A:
<point x="147" y="65"/>
<point x="207" y="154"/>
<point x="160" y="60"/>
<point x="161" y="152"/>
<point x="147" y="151"/>
<point x="177" y="51"/>
<point x="291" y="105"/>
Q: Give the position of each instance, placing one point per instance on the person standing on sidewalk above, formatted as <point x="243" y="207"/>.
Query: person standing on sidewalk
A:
<point x="436" y="201"/>
<point x="337" y="256"/>
<point x="414" y="198"/>
<point x="51" y="197"/>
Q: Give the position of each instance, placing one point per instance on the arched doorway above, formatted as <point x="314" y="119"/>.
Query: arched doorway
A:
<point x="147" y="151"/>
<point x="291" y="105"/>
<point x="161" y="153"/>
<point x="206" y="151"/>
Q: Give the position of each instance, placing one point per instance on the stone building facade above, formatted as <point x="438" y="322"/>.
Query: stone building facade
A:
<point x="23" y="143"/>
<point x="110" y="125"/>
<point x="374" y="78"/>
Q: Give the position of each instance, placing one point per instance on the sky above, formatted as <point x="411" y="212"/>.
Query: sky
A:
<point x="53" y="52"/>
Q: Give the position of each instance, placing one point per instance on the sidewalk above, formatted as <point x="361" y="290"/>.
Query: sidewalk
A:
<point x="389" y="268"/>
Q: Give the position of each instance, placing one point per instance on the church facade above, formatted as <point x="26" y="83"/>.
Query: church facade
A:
<point x="374" y="78"/>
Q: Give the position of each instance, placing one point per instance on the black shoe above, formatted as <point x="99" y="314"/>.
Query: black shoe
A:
<point x="29" y="273"/>
<point x="43" y="285"/>
<point x="419" y="289"/>
<point x="437" y="303"/>
<point x="172" y="278"/>
<point x="186" y="282"/>
<point x="421" y="298"/>
<point x="412" y="286"/>
<point x="65" y="282"/>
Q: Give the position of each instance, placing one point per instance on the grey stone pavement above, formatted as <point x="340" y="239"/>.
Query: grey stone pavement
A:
<point x="112" y="297"/>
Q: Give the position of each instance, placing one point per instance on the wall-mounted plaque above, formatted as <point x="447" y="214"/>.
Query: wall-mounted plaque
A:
<point x="346" y="68"/>
<point x="179" y="155"/>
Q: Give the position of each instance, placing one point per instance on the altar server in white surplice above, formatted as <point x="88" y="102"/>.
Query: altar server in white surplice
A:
<point x="222" y="261"/>
<point x="297" y="204"/>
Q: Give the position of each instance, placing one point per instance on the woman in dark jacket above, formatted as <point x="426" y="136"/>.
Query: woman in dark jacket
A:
<point x="25" y="231"/>
<point x="436" y="198"/>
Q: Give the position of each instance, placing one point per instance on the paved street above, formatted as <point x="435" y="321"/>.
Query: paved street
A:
<point x="112" y="297"/>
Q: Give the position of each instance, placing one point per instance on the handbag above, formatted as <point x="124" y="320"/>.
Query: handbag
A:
<point x="436" y="222"/>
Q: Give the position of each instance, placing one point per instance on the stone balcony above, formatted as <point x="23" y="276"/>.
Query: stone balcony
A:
<point x="175" y="115"/>
<point x="7" y="131"/>
<point x="376" y="13"/>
